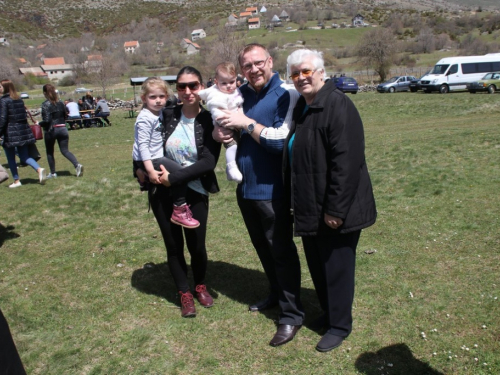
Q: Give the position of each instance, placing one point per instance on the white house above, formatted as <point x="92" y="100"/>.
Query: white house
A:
<point x="275" y="21"/>
<point x="254" y="23"/>
<point x="4" y="42"/>
<point x="358" y="20"/>
<point x="131" y="46"/>
<point x="56" y="72"/>
<point x="263" y="9"/>
<point x="252" y="10"/>
<point x="198" y="34"/>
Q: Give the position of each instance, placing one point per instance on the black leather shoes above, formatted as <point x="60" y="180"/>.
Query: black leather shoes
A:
<point x="270" y="302"/>
<point x="284" y="334"/>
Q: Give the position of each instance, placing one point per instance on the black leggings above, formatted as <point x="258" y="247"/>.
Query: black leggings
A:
<point x="62" y="137"/>
<point x="161" y="203"/>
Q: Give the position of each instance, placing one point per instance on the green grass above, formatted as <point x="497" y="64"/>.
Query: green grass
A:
<point x="79" y="302"/>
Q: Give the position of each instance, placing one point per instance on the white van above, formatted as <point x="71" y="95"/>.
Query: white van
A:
<point x="453" y="73"/>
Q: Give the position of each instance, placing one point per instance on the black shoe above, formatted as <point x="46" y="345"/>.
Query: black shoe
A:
<point x="328" y="342"/>
<point x="270" y="302"/>
<point x="284" y="334"/>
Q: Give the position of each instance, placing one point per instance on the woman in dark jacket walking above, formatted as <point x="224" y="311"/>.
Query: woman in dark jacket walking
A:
<point x="54" y="125"/>
<point x="330" y="190"/>
<point x="16" y="133"/>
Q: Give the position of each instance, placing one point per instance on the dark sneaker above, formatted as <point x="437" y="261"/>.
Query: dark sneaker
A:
<point x="187" y="305"/>
<point x="203" y="297"/>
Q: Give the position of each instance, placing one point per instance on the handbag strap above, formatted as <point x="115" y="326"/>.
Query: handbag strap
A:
<point x="29" y="113"/>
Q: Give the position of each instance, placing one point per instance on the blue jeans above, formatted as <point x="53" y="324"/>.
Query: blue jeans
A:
<point x="23" y="152"/>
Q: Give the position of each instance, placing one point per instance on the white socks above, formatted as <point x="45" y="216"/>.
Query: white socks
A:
<point x="232" y="171"/>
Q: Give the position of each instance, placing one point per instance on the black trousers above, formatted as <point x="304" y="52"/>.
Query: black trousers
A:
<point x="10" y="363"/>
<point x="331" y="261"/>
<point x="173" y="236"/>
<point x="269" y="225"/>
<point x="59" y="134"/>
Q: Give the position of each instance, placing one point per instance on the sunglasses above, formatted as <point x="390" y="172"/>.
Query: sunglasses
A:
<point x="193" y="86"/>
<point x="305" y="73"/>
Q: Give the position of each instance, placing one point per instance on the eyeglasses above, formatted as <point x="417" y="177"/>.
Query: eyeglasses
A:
<point x="305" y="73"/>
<point x="258" y="64"/>
<point x="193" y="86"/>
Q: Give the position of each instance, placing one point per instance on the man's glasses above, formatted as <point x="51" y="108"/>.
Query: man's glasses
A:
<point x="258" y="64"/>
<point x="305" y="73"/>
<point x="193" y="86"/>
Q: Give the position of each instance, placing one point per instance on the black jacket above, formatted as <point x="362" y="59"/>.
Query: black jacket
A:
<point x="208" y="149"/>
<point x="14" y="126"/>
<point x="52" y="114"/>
<point x="328" y="172"/>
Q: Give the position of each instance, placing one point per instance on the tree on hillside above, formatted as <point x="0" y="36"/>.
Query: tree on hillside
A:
<point x="106" y="75"/>
<point x="224" y="48"/>
<point x="377" y="50"/>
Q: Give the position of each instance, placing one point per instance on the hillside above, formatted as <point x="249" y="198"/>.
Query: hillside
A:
<point x="57" y="19"/>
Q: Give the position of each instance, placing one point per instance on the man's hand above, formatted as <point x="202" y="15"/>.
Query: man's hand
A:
<point x="234" y="120"/>
<point x="333" y="222"/>
<point x="222" y="135"/>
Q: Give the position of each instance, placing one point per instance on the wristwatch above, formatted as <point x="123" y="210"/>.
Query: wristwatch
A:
<point x="251" y="127"/>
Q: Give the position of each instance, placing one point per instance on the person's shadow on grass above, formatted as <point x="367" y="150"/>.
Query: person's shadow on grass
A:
<point x="7" y="233"/>
<point x="246" y="286"/>
<point x="396" y="359"/>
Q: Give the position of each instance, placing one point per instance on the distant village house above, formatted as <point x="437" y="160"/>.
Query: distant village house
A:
<point x="131" y="46"/>
<point x="254" y="23"/>
<point x="198" y="34"/>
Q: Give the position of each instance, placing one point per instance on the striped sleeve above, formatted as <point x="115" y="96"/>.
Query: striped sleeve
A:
<point x="273" y="138"/>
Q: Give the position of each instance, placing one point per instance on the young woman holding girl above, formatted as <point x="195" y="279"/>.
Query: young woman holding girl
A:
<point x="188" y="140"/>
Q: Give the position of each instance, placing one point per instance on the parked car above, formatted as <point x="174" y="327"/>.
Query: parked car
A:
<point x="346" y="84"/>
<point x="400" y="83"/>
<point x="24" y="95"/>
<point x="79" y="90"/>
<point x="490" y="82"/>
<point x="415" y="84"/>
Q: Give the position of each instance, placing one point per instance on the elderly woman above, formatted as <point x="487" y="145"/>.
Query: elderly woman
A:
<point x="329" y="188"/>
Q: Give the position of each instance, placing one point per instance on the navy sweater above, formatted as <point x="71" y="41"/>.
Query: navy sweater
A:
<point x="260" y="164"/>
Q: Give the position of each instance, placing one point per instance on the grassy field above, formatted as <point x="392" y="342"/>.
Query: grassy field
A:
<point x="78" y="300"/>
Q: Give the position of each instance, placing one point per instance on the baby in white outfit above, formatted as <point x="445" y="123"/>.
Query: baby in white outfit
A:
<point x="224" y="95"/>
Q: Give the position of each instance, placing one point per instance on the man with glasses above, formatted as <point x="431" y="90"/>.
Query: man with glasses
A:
<point x="265" y="122"/>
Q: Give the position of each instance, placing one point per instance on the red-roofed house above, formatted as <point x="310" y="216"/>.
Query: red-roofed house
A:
<point x="54" y="61"/>
<point x="252" y="10"/>
<point x="254" y="23"/>
<point x="192" y="48"/>
<point x="93" y="63"/>
<point x="131" y="46"/>
<point x="245" y="14"/>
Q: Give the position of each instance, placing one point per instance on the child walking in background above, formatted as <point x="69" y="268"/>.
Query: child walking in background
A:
<point x="148" y="150"/>
<point x="224" y="95"/>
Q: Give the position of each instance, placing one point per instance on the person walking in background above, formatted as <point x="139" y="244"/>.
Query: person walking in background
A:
<point x="102" y="110"/>
<point x="265" y="124"/>
<point x="16" y="133"/>
<point x="329" y="189"/>
<point x="147" y="151"/>
<point x="54" y="126"/>
<point x="225" y="95"/>
<point x="188" y="140"/>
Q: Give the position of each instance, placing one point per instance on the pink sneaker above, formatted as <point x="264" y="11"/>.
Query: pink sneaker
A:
<point x="183" y="216"/>
<point x="203" y="297"/>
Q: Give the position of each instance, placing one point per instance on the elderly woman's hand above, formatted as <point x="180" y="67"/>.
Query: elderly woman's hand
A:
<point x="333" y="222"/>
<point x="164" y="176"/>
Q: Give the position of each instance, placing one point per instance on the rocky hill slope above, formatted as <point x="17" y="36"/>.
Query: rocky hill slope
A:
<point x="38" y="19"/>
